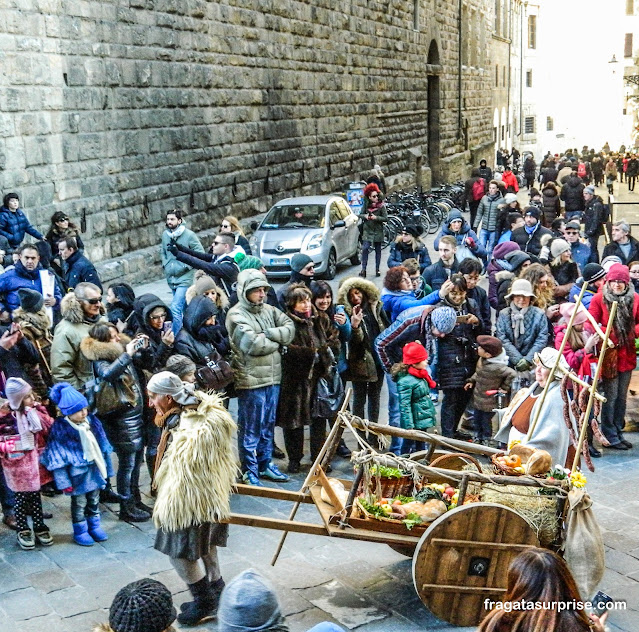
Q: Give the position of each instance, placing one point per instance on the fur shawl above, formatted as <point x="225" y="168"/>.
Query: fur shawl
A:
<point x="95" y="350"/>
<point x="198" y="471"/>
<point x="37" y="323"/>
<point x="71" y="309"/>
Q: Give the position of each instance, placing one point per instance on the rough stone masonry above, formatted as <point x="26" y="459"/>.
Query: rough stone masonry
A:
<point x="115" y="111"/>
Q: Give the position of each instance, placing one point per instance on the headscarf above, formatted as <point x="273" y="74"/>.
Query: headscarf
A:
<point x="167" y="383"/>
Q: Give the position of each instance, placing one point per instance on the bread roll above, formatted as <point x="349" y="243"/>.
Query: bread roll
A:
<point x="522" y="451"/>
<point x="539" y="462"/>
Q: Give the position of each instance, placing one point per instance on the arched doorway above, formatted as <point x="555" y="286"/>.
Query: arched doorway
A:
<point x="433" y="112"/>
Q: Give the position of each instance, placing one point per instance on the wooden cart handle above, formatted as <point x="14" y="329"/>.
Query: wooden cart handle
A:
<point x="465" y="457"/>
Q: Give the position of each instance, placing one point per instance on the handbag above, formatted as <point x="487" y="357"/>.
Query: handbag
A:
<point x="328" y="396"/>
<point x="464" y="252"/>
<point x="111" y="400"/>
<point x="216" y="373"/>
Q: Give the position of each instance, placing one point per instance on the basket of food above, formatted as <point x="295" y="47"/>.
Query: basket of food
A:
<point x="521" y="460"/>
<point x="388" y="482"/>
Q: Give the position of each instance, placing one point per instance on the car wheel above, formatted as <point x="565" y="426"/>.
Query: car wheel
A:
<point x="356" y="259"/>
<point x="331" y="266"/>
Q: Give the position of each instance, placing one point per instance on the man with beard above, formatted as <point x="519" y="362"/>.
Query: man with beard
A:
<point x="179" y="275"/>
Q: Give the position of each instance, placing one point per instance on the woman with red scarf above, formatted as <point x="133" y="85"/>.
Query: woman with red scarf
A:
<point x="373" y="216"/>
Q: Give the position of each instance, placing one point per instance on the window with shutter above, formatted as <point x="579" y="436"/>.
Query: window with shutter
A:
<point x="627" y="46"/>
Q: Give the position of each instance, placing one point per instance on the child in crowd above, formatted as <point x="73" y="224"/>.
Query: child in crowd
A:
<point x="442" y="321"/>
<point x="7" y="432"/>
<point x="78" y="454"/>
<point x="21" y="466"/>
<point x="492" y="374"/>
<point x="182" y="366"/>
<point x="416" y="410"/>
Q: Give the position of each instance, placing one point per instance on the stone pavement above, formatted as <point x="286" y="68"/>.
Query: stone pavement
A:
<point x="67" y="588"/>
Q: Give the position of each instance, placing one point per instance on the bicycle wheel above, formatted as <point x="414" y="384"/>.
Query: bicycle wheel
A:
<point x="388" y="236"/>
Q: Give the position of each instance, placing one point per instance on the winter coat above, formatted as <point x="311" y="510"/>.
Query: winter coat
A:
<point x="373" y="229"/>
<point x="565" y="274"/>
<point x="178" y="272"/>
<point x="632" y="170"/>
<point x="573" y="357"/>
<point x="19" y="360"/>
<point x="362" y="360"/>
<point x="491" y="374"/>
<point x="462" y="236"/>
<point x="78" y="269"/>
<point x="468" y="190"/>
<point x="549" y="174"/>
<point x="572" y="194"/>
<point x="480" y="298"/>
<point x="510" y="181"/>
<point x="257" y="334"/>
<point x="6" y="259"/>
<point x="530" y="167"/>
<point x="533" y="340"/>
<point x="626" y="356"/>
<point x="68" y="363"/>
<point x="406" y="328"/>
<point x="112" y="364"/>
<point x="487" y="211"/>
<point x="19" y="277"/>
<point x="400" y="251"/>
<point x="14" y="226"/>
<point x="223" y="269"/>
<point x="551" y="206"/>
<point x="64" y="457"/>
<point x="593" y="219"/>
<point x="153" y="357"/>
<point x="396" y="302"/>
<point x="436" y="274"/>
<point x="308" y="357"/>
<point x="575" y="290"/>
<point x="486" y="173"/>
<point x="416" y="409"/>
<point x="530" y="242"/>
<point x="613" y="249"/>
<point x="497" y="264"/>
<point x="54" y="237"/>
<point x="580" y="254"/>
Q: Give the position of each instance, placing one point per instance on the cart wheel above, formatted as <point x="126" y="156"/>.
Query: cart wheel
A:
<point x="404" y="549"/>
<point x="463" y="559"/>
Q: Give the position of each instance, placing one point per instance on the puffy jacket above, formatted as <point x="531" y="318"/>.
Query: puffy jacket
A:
<point x="580" y="254"/>
<point x="78" y="269"/>
<point x="573" y="357"/>
<point x="593" y="216"/>
<point x="153" y="357"/>
<point x="223" y="269"/>
<point x="400" y="251"/>
<point x="68" y="363"/>
<point x="488" y="212"/>
<point x="549" y="174"/>
<point x="613" y="249"/>
<point x="373" y="229"/>
<point x="530" y="242"/>
<point x="572" y="194"/>
<point x="257" y="334"/>
<point x="530" y="167"/>
<point x="533" y="340"/>
<point x="14" y="225"/>
<point x="112" y="364"/>
<point x="416" y="409"/>
<point x="491" y="374"/>
<point x="177" y="272"/>
<point x="396" y="302"/>
<point x="633" y="168"/>
<point x="551" y="206"/>
<point x="18" y="277"/>
<point x="462" y="236"/>
<point x="510" y="181"/>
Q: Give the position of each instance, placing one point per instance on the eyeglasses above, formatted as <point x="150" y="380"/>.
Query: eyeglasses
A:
<point x="158" y="317"/>
<point x="92" y="301"/>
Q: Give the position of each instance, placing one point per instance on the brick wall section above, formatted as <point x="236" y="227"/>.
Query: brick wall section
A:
<point x="119" y="110"/>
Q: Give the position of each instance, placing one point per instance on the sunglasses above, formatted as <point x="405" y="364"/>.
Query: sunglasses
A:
<point x="92" y="301"/>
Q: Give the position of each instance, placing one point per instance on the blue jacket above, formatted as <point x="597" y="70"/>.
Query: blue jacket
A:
<point x="533" y="340"/>
<point x="396" y="302"/>
<point x="435" y="275"/>
<point x="78" y="269"/>
<point x="15" y="278"/>
<point x="399" y="252"/>
<point x="588" y="294"/>
<point x="64" y="458"/>
<point x="14" y="225"/>
<point x="465" y="232"/>
<point x="580" y="254"/>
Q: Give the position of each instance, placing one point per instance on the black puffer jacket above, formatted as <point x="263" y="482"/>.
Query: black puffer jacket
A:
<point x="593" y="218"/>
<point x="572" y="193"/>
<point x="196" y="341"/>
<point x="112" y="364"/>
<point x="153" y="357"/>
<point x="551" y="206"/>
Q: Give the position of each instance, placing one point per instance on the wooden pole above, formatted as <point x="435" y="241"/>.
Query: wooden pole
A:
<point x="551" y="376"/>
<point x="595" y="324"/>
<point x="578" y="380"/>
<point x="591" y="399"/>
<point x="311" y="475"/>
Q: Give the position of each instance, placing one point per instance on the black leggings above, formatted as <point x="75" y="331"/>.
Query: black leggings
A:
<point x="29" y="503"/>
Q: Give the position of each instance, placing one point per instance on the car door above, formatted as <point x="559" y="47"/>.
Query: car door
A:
<point x="337" y="234"/>
<point x="352" y="229"/>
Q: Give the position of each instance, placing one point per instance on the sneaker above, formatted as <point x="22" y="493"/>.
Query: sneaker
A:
<point x="26" y="540"/>
<point x="272" y="473"/>
<point x="43" y="537"/>
<point x="250" y="479"/>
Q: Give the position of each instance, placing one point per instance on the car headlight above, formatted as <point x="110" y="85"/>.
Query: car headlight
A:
<point x="253" y="243"/>
<point x="314" y="243"/>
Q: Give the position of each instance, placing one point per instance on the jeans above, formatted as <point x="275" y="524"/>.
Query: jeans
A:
<point x="453" y="406"/>
<point x="613" y="411"/>
<point x="256" y="409"/>
<point x="484" y="424"/>
<point x="412" y="445"/>
<point x="488" y="238"/>
<point x="366" y="247"/>
<point x="7" y="497"/>
<point x="393" y="414"/>
<point x="294" y="440"/>
<point x="177" y="306"/>
<point x="368" y="393"/>
<point x="128" y="476"/>
<point x="85" y="506"/>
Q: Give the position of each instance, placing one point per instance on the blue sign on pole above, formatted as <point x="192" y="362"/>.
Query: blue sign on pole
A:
<point x="355" y="196"/>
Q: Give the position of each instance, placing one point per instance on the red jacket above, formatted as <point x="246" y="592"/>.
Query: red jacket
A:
<point x="627" y="356"/>
<point x="510" y="180"/>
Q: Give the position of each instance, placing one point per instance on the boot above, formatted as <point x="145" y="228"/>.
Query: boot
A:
<point x="107" y="495"/>
<point x="95" y="530"/>
<point x="130" y="513"/>
<point x="138" y="502"/>
<point x="81" y="535"/>
<point x="204" y="604"/>
<point x="216" y="587"/>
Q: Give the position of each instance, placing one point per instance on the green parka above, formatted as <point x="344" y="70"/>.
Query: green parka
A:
<point x="416" y="409"/>
<point x="373" y="229"/>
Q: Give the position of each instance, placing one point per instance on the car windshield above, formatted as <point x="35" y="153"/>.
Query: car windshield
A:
<point x="294" y="216"/>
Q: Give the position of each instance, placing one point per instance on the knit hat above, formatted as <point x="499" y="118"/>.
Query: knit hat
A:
<point x="413" y="230"/>
<point x="30" y="300"/>
<point x="548" y="357"/>
<point x="532" y="210"/>
<point x="444" y="319"/>
<point x="517" y="258"/>
<point x="618" y="272"/>
<point x="180" y="365"/>
<point x="67" y="399"/>
<point x="203" y="284"/>
<point x="558" y="247"/>
<point x="566" y="310"/>
<point x="593" y="272"/>
<point x="609" y="261"/>
<point x="413" y="353"/>
<point x="509" y="198"/>
<point x="249" y="602"/>
<point x="142" y="606"/>
<point x="167" y="383"/>
<point x="16" y="389"/>
<point x="248" y="262"/>
<point x="521" y="287"/>
<point x="490" y="344"/>
<point x="299" y="261"/>
<point x="590" y="189"/>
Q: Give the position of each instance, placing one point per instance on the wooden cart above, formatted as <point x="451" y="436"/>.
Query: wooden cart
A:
<point x="459" y="560"/>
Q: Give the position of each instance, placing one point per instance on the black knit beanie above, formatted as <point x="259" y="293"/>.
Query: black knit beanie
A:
<point x="30" y="300"/>
<point x="142" y="606"/>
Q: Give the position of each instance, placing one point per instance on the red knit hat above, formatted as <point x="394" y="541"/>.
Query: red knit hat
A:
<point x="414" y="353"/>
<point x="618" y="272"/>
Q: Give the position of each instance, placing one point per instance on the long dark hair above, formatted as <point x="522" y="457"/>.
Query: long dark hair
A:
<point x="58" y="216"/>
<point x="320" y="289"/>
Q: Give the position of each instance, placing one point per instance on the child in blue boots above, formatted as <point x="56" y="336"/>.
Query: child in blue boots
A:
<point x="78" y="456"/>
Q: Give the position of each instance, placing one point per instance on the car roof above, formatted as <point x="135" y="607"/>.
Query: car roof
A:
<point x="309" y="199"/>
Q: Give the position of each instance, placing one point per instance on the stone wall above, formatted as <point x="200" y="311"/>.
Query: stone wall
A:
<point x="115" y="111"/>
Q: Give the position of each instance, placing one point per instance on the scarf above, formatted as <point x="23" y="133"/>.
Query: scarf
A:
<point x="33" y="275"/>
<point x="624" y="325"/>
<point x="90" y="447"/>
<point x="517" y="320"/>
<point x="531" y="229"/>
<point x="28" y="423"/>
<point x="303" y="315"/>
<point x="423" y="374"/>
<point x="174" y="234"/>
<point x="494" y="196"/>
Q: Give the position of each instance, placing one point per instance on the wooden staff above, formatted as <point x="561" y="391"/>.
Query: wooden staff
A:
<point x="311" y="475"/>
<point x="595" y="324"/>
<point x="551" y="377"/>
<point x="591" y="399"/>
<point x="574" y="378"/>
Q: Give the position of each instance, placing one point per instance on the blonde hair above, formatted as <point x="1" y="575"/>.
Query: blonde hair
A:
<point x="415" y="244"/>
<point x="235" y="224"/>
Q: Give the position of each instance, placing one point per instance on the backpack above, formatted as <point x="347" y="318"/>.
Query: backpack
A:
<point x="478" y="189"/>
<point x="581" y="170"/>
